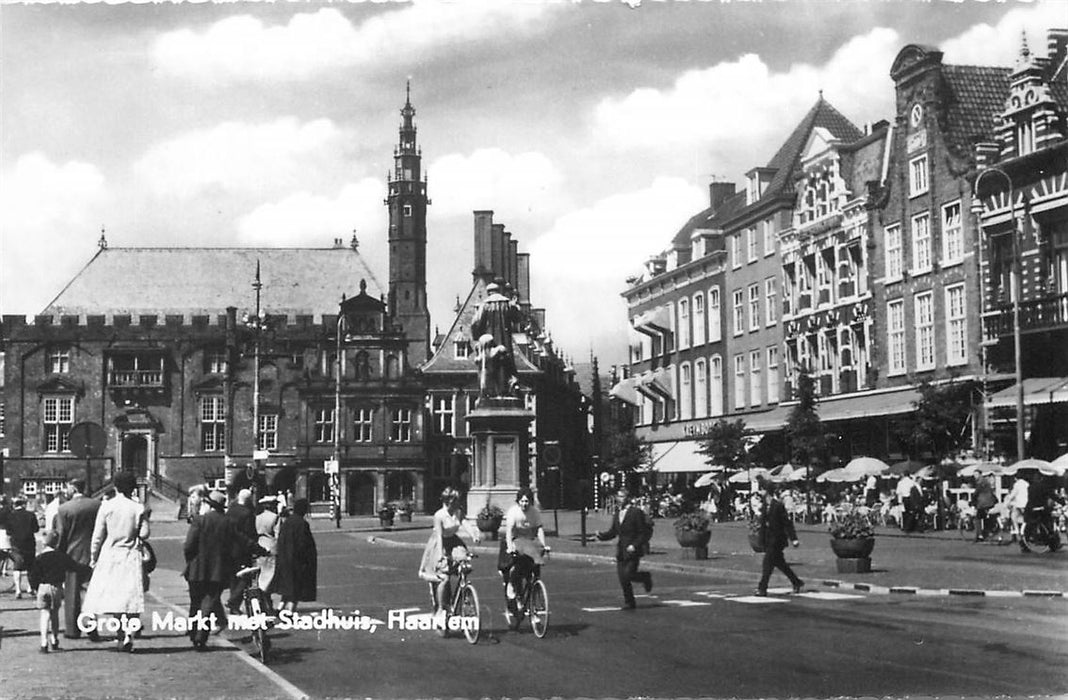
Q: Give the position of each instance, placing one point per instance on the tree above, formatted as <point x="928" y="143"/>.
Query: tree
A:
<point x="805" y="439"/>
<point x="939" y="425"/>
<point x="724" y="445"/>
<point x="625" y="453"/>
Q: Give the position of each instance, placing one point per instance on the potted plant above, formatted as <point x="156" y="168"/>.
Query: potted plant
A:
<point x="852" y="541"/>
<point x="404" y="510"/>
<point x="385" y="515"/>
<point x="693" y="529"/>
<point x="489" y="519"/>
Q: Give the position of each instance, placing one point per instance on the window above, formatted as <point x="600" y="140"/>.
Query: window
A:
<point x="324" y="425"/>
<point x="685" y="387"/>
<point x="1025" y="137"/>
<point x="407" y="210"/>
<point x="739" y="312"/>
<point x="952" y="235"/>
<point x="739" y="381"/>
<point x="268" y="432"/>
<point x="715" y="386"/>
<point x="921" y="244"/>
<point x="771" y="301"/>
<point x="362" y="424"/>
<point x="956" y="326"/>
<point x="59" y="361"/>
<point x="918" y="175"/>
<point x="462" y="350"/>
<point x="736" y="250"/>
<point x="58" y="420"/>
<point x="700" y="389"/>
<point x="754" y="378"/>
<point x="212" y="424"/>
<point x="754" y="307"/>
<point x="216" y="362"/>
<point x="699" y="319"/>
<point x="715" y="325"/>
<point x="751" y="234"/>
<point x="895" y="329"/>
<point x="442" y="408"/>
<point x="893" y="252"/>
<point x="769" y="237"/>
<point x="925" y="357"/>
<point x="401" y="425"/>
<point x="773" y="374"/>
<point x="684" y="323"/>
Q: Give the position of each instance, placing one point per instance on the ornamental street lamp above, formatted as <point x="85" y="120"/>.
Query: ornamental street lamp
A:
<point x="333" y="470"/>
<point x="1015" y="291"/>
<point x="258" y="323"/>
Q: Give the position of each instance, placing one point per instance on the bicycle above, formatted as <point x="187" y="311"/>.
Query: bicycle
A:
<point x="1040" y="533"/>
<point x="464" y="603"/>
<point x="258" y="611"/>
<point x="532" y="600"/>
<point x="992" y="528"/>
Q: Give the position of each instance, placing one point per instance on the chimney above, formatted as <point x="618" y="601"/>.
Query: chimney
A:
<point x="483" y="246"/>
<point x="512" y="272"/>
<point x="498" y="249"/>
<point x="523" y="279"/>
<point x="718" y="192"/>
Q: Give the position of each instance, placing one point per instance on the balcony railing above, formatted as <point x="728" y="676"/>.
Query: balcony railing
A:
<point x="135" y="378"/>
<point x="1035" y="315"/>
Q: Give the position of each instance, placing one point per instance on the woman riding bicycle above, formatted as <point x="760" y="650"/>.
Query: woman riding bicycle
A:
<point x="445" y="547"/>
<point x="523" y="548"/>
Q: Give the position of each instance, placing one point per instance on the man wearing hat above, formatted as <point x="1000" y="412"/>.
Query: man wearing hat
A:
<point x="22" y="528"/>
<point x="74" y="522"/>
<point x="244" y="521"/>
<point x="209" y="547"/>
<point x="777" y="530"/>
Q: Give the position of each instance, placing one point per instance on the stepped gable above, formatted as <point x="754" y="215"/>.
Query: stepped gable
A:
<point x="162" y="281"/>
<point x="975" y="96"/>
<point x="444" y="359"/>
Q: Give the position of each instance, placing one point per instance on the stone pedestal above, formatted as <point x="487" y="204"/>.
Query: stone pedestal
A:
<point x="859" y="565"/>
<point x="500" y="432"/>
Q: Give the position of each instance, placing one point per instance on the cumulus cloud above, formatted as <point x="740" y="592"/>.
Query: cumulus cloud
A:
<point x="491" y="178"/>
<point x="43" y="206"/>
<point x="999" y="45"/>
<point x="239" y="157"/>
<point x="579" y="266"/>
<point x="245" y="48"/>
<point x="738" y="111"/>
<point x="304" y="219"/>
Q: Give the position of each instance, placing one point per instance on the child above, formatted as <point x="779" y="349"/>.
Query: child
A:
<point x="47" y="574"/>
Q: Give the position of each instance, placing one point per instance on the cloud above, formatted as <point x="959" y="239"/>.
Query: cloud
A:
<point x="43" y="206"/>
<point x="491" y="178"/>
<point x="242" y="158"/>
<point x="244" y="48"/>
<point x="739" y="111"/>
<point x="579" y="266"/>
<point x="1000" y="45"/>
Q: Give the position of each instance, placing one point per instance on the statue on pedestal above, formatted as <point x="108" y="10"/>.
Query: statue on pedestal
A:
<point x="491" y="334"/>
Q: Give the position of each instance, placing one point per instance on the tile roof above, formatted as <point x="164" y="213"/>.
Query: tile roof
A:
<point x="787" y="161"/>
<point x="207" y="280"/>
<point x="710" y="218"/>
<point x="975" y="95"/>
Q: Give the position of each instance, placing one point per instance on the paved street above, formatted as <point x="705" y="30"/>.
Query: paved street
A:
<point x="699" y="633"/>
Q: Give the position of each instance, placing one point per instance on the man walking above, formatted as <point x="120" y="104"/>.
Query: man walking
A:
<point x="777" y="530"/>
<point x="74" y="522"/>
<point x="633" y="531"/>
<point x="209" y="566"/>
<point x="243" y="519"/>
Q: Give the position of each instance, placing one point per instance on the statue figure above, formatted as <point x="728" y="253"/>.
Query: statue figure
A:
<point x="491" y="334"/>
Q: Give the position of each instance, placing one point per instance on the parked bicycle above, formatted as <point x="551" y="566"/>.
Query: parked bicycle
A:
<point x="257" y="608"/>
<point x="1040" y="533"/>
<point x="532" y="598"/>
<point x="464" y="604"/>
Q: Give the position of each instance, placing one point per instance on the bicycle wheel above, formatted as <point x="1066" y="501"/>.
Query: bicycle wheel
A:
<point x="1036" y="537"/>
<point x="261" y="644"/>
<point x="539" y="609"/>
<point x="469" y="613"/>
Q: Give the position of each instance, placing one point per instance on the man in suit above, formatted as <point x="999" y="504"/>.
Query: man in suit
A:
<point x="633" y="530"/>
<point x="777" y="530"/>
<point x="74" y="523"/>
<point x="209" y="568"/>
<point x="241" y="515"/>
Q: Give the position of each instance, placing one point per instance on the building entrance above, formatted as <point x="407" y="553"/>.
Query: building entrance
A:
<point x="360" y="493"/>
<point x="135" y="455"/>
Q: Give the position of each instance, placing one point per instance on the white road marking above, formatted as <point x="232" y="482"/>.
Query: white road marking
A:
<point x="757" y="600"/>
<point x="824" y="595"/>
<point x="686" y="603"/>
<point x="603" y="608"/>
<point x="711" y="594"/>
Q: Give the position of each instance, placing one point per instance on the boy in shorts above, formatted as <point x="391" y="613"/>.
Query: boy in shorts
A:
<point x="47" y="575"/>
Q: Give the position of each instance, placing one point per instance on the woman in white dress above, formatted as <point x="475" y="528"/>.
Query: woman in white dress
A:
<point x="116" y="588"/>
<point x="441" y="549"/>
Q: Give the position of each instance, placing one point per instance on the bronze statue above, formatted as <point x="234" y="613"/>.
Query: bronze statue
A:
<point x="491" y="334"/>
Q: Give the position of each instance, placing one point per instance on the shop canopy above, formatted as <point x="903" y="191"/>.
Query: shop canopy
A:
<point x="1036" y="390"/>
<point x="681" y="456"/>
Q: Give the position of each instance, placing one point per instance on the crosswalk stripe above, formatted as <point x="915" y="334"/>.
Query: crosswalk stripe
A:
<point x="824" y="595"/>
<point x="603" y="608"/>
<point x="756" y="599"/>
<point x="711" y="594"/>
<point x="686" y="603"/>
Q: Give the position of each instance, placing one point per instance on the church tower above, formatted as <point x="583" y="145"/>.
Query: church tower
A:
<point x="407" y="202"/>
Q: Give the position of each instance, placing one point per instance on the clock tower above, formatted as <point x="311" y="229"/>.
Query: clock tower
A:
<point x="407" y="202"/>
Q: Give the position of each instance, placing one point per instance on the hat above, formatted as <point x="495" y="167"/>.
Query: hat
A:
<point x="217" y="499"/>
<point x="18" y="501"/>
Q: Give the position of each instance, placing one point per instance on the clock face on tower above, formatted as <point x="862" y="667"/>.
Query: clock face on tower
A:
<point x="916" y="115"/>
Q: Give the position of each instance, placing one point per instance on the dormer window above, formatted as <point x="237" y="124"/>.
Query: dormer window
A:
<point x="1025" y="137"/>
<point x="462" y="350"/>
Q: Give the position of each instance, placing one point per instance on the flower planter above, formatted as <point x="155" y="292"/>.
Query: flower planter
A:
<point x="853" y="554"/>
<point x="489" y="526"/>
<point x="693" y="538"/>
<point x="405" y="517"/>
<point x="385" y="522"/>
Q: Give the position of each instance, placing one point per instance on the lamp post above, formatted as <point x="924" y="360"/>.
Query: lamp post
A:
<point x="335" y="475"/>
<point x="257" y="322"/>
<point x="1016" y="290"/>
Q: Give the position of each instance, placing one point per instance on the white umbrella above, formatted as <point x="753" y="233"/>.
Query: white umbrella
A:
<point x="842" y="474"/>
<point x="706" y="479"/>
<point x="865" y="466"/>
<point x="799" y="474"/>
<point x="979" y="468"/>
<point x="1061" y="461"/>
<point x="1037" y="464"/>
<point x="746" y="476"/>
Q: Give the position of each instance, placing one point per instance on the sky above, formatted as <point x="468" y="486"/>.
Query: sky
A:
<point x="590" y="129"/>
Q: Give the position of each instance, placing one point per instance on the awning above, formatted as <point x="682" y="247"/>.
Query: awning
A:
<point x="626" y="391"/>
<point x="765" y="422"/>
<point x="654" y="321"/>
<point x="657" y="385"/>
<point x="888" y="403"/>
<point x="1036" y="390"/>
<point x="680" y="456"/>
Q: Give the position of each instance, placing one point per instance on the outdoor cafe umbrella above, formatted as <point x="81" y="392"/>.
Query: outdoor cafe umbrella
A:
<point x="707" y="479"/>
<point x="861" y="467"/>
<point x="907" y="466"/>
<point x="747" y="475"/>
<point x="840" y="475"/>
<point x="782" y="473"/>
<point x="1061" y="461"/>
<point x="1037" y="464"/>
<point x="799" y="474"/>
<point x="979" y="468"/>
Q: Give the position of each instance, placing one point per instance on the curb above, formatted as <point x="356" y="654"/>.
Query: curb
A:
<point x="748" y="575"/>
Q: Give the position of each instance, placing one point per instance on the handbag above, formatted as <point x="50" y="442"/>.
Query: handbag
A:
<point x="148" y="557"/>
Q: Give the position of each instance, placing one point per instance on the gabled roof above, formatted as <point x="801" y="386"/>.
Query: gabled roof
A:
<point x="444" y="359"/>
<point x="976" y="95"/>
<point x="207" y="280"/>
<point x="711" y="218"/>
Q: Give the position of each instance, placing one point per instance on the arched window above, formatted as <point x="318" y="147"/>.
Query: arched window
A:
<point x="715" y="386"/>
<point x="685" y="392"/>
<point x="699" y="320"/>
<point x="715" y="327"/>
<point x="700" y="389"/>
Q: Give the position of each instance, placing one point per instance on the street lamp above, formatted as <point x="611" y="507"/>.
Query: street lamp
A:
<point x="1016" y="287"/>
<point x="258" y="323"/>
<point x="334" y="466"/>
